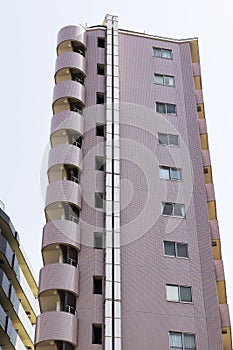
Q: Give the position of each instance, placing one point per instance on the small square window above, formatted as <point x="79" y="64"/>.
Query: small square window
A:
<point x="97" y="285"/>
<point x="159" y="79"/>
<point x="169" y="248"/>
<point x="100" y="130"/>
<point x="214" y="244"/>
<point x="171" y="109"/>
<point x="163" y="139"/>
<point x="206" y="170"/>
<point x="185" y="294"/>
<point x="199" y="108"/>
<point x="100" y="69"/>
<point x="160" y="107"/>
<point x="182" y="250"/>
<point x="179" y="210"/>
<point x="96" y="334"/>
<point x="99" y="200"/>
<point x="98" y="240"/>
<point x="172" y="293"/>
<point x="99" y="98"/>
<point x="168" y="81"/>
<point x="101" y="42"/>
<point x="99" y="163"/>
<point x="189" y="342"/>
<point x="173" y="140"/>
<point x="167" y="209"/>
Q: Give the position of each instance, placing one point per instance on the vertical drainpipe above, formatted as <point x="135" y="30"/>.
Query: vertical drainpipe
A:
<point x="112" y="190"/>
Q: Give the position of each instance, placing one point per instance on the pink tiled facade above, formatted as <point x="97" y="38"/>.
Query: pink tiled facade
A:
<point x="142" y="317"/>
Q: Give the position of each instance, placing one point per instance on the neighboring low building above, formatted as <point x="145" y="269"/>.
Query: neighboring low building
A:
<point x="18" y="290"/>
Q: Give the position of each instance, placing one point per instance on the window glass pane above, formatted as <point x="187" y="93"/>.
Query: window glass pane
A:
<point x="157" y="52"/>
<point x="167" y="208"/>
<point x="179" y="210"/>
<point x="189" y="342"/>
<point x="185" y="294"/>
<point x="99" y="163"/>
<point x="173" y="140"/>
<point x="98" y="240"/>
<point x="166" y="53"/>
<point x="169" y="248"/>
<point x="175" y="340"/>
<point x="164" y="173"/>
<point x="99" y="202"/>
<point x="168" y="81"/>
<point x="158" y="79"/>
<point x="162" y="138"/>
<point x="175" y="174"/>
<point x="160" y="107"/>
<point x="172" y="293"/>
<point x="182" y="250"/>
<point x="171" y="109"/>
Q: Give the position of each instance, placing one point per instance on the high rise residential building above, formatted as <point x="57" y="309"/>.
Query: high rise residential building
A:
<point x="18" y="290"/>
<point x="131" y="245"/>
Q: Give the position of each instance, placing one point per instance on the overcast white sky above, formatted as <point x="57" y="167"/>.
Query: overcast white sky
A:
<point x="28" y="40"/>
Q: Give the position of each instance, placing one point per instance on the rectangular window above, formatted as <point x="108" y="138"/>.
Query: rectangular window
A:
<point x="168" y="139"/>
<point x="98" y="240"/>
<point x="182" y="341"/>
<point x="101" y="42"/>
<point x="162" y="53"/>
<point x="173" y="209"/>
<point x="169" y="173"/>
<point x="96" y="334"/>
<point x="100" y="130"/>
<point x="99" y="98"/>
<point x="175" y="249"/>
<point x="165" y="108"/>
<point x="100" y="69"/>
<point x="99" y="163"/>
<point x="165" y="80"/>
<point x="178" y="293"/>
<point x="99" y="200"/>
<point x="97" y="285"/>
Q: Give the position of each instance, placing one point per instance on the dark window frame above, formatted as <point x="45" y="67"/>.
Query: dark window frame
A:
<point x="97" y="336"/>
<point x="176" y="250"/>
<point x="159" y="52"/>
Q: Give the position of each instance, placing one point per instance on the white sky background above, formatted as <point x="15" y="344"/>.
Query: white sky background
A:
<point x="28" y="41"/>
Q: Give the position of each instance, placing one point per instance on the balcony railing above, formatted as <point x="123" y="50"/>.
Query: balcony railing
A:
<point x="70" y="309"/>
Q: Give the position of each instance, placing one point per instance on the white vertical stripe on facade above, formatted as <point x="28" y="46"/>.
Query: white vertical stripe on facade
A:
<point x="112" y="265"/>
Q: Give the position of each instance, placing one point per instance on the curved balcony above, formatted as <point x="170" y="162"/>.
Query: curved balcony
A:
<point x="68" y="73"/>
<point x="61" y="232"/>
<point x="66" y="136"/>
<point x="63" y="191"/>
<point x="68" y="95"/>
<point x="65" y="154"/>
<point x="63" y="326"/>
<point x="71" y="60"/>
<point x="59" y="277"/>
<point x="67" y="120"/>
<point x="69" y="66"/>
<point x="71" y="38"/>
